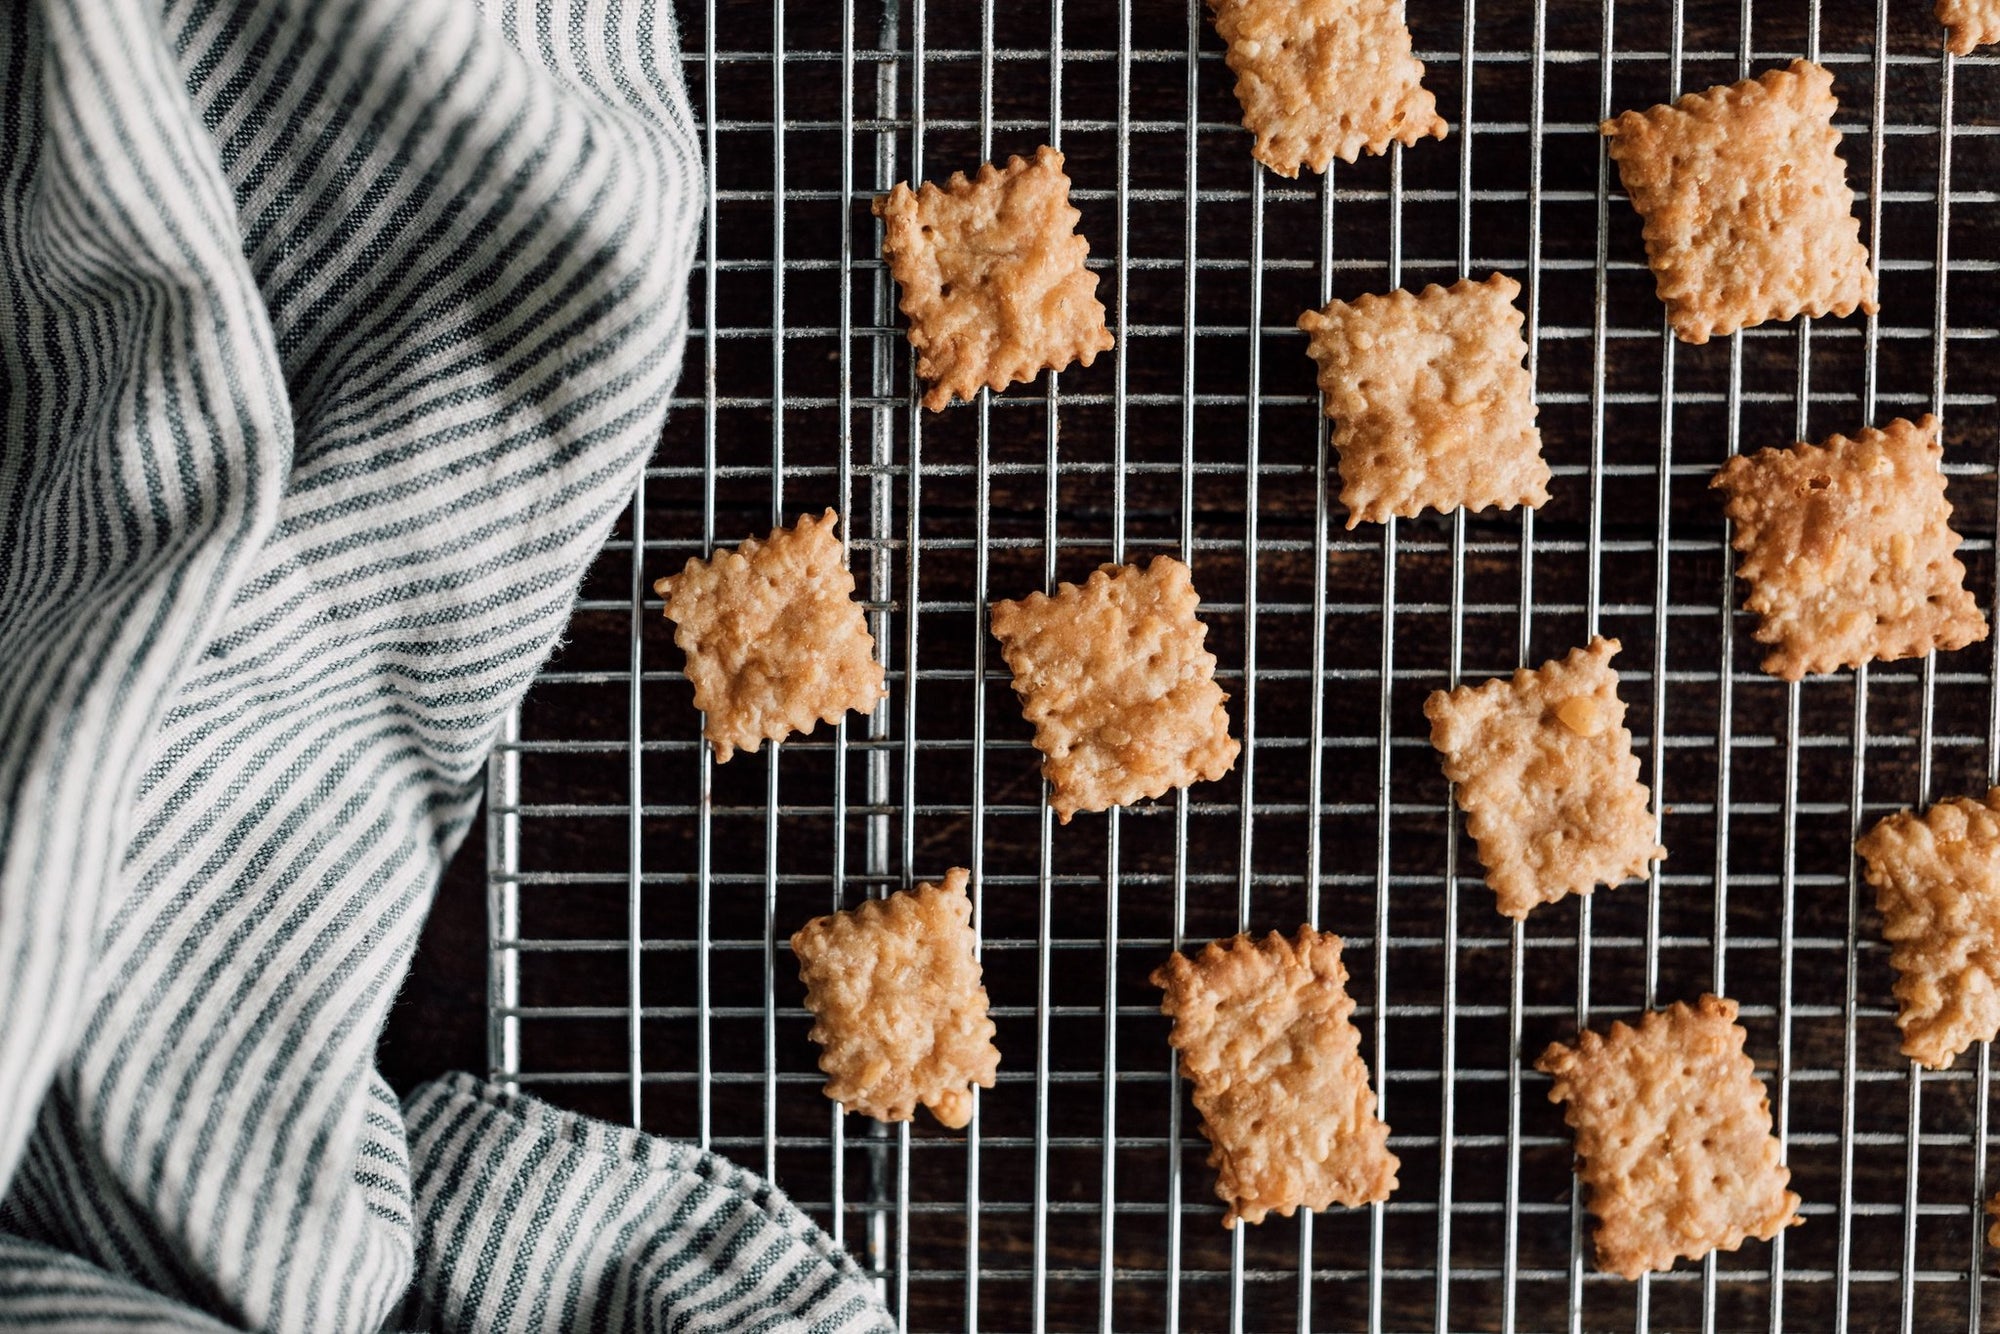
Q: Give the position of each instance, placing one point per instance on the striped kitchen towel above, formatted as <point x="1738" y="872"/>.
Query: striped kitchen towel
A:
<point x="333" y="337"/>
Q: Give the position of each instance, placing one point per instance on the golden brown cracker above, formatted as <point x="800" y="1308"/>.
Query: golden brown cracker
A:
<point x="1937" y="885"/>
<point x="1746" y="204"/>
<point x="1325" y="79"/>
<point x="1432" y="404"/>
<point x="1847" y="550"/>
<point x="1969" y="24"/>
<point x="1547" y="779"/>
<point x="1673" y="1137"/>
<point x="1265" y="1031"/>
<point x="898" y="1008"/>
<point x="774" y="638"/>
<point x="992" y="276"/>
<point x="1114" y="677"/>
<point x="1993" y="1229"/>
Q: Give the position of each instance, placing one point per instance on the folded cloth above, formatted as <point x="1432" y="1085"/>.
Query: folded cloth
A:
<point x="333" y="337"/>
<point x="619" y="1226"/>
<point x="530" y="1218"/>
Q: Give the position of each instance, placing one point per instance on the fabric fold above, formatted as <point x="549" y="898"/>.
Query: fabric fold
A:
<point x="147" y="440"/>
<point x="611" y="1229"/>
<point x="333" y="338"/>
<point x="50" y="1292"/>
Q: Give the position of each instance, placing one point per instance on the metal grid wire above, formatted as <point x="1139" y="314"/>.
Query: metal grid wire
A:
<point x="640" y="895"/>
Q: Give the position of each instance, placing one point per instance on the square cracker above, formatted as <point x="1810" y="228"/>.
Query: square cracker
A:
<point x="1673" y="1137"/>
<point x="1748" y="214"/>
<point x="774" y="638"/>
<point x="1114" y="677"/>
<point x="1847" y="550"/>
<point x="1937" y="886"/>
<point x="1265" y="1031"/>
<point x="898" y="1008"/>
<point x="1547" y="779"/>
<point x="1324" y="79"/>
<point x="992" y="276"/>
<point x="1970" y="23"/>
<point x="1432" y="405"/>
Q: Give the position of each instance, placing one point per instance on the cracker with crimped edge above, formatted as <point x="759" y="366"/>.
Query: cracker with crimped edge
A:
<point x="1265" y="1031"/>
<point x="1545" y="774"/>
<point x="1848" y="550"/>
<point x="1673" y="1137"/>
<point x="1432" y="404"/>
<point x="898" y="1007"/>
<point x="992" y="276"/>
<point x="1113" y="675"/>
<point x="1969" y="24"/>
<point x="1748" y="214"/>
<point x="1937" y="886"/>
<point x="774" y="638"/>
<point x="1325" y="79"/>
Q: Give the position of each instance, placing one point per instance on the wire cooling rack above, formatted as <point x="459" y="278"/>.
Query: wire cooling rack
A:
<point x="641" y="895"/>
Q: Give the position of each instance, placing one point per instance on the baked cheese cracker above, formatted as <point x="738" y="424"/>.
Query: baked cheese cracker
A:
<point x="1969" y="23"/>
<point x="1748" y="214"/>
<point x="1325" y="79"/>
<point x="1547" y="779"/>
<point x="1673" y="1137"/>
<point x="898" y="1008"/>
<point x="1432" y="404"/>
<point x="1993" y="1229"/>
<point x="774" y="638"/>
<point x="1265" y="1031"/>
<point x="1114" y="677"/>
<point x="1937" y="886"/>
<point x="1847" y="550"/>
<point x="992" y="276"/>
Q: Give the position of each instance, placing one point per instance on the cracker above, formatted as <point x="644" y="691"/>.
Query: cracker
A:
<point x="898" y="1009"/>
<point x="1847" y="550"/>
<point x="1993" y="1229"/>
<point x="1114" y="677"/>
<point x="1547" y="779"/>
<point x="1432" y="405"/>
<point x="1324" y="79"/>
<point x="992" y="276"/>
<point x="1265" y="1031"/>
<point x="1969" y="23"/>
<point x="774" y="638"/>
<point x="1937" y="886"/>
<point x="1673" y="1137"/>
<point x="1748" y="214"/>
